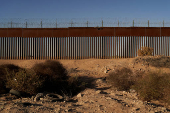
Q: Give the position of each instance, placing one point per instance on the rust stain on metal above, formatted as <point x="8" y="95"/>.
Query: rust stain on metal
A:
<point x="84" y="31"/>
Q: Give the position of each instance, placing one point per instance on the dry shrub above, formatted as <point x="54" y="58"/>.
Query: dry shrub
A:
<point x="54" y="75"/>
<point x="10" y="68"/>
<point x="160" y="61"/>
<point x="156" y="61"/>
<point x="145" y="51"/>
<point x="49" y="76"/>
<point x="122" y="79"/>
<point x="137" y="75"/>
<point x="51" y="69"/>
<point x="25" y="81"/>
<point x="153" y="86"/>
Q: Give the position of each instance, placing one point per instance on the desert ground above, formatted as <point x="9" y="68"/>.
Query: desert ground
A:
<point x="101" y="98"/>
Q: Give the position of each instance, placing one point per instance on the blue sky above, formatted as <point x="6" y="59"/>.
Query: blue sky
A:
<point x="68" y="9"/>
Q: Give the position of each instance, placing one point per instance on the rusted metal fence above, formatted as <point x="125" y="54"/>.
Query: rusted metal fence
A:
<point x="81" y="43"/>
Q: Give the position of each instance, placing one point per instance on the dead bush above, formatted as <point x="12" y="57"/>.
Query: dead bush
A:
<point x="26" y="81"/>
<point x="49" y="76"/>
<point x="10" y="68"/>
<point x="54" y="75"/>
<point x="153" y="86"/>
<point x="122" y="79"/>
<point x="145" y="51"/>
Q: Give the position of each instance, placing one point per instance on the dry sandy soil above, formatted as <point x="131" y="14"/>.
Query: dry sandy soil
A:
<point x="100" y="98"/>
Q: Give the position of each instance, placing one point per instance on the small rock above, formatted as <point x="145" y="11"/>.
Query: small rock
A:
<point x="41" y="99"/>
<point x="15" y="92"/>
<point x="24" y="99"/>
<point x="57" y="106"/>
<point x="156" y="111"/>
<point x="99" y="81"/>
<point x="163" y="108"/>
<point x="98" y="91"/>
<point x="109" y="98"/>
<point x="112" y="94"/>
<point x="124" y="92"/>
<point x="132" y="91"/>
<point x="105" y="71"/>
<point x="79" y="95"/>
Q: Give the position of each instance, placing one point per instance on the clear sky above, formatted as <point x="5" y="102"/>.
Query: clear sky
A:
<point x="68" y="9"/>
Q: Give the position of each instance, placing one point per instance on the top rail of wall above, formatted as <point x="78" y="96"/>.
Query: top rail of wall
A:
<point x="85" y="32"/>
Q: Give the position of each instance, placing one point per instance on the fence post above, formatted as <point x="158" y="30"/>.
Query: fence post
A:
<point x="102" y="23"/>
<point x="163" y="23"/>
<point x="133" y="23"/>
<point x="11" y="24"/>
<point x="87" y="23"/>
<point x="26" y="24"/>
<point x="148" y="23"/>
<point x="71" y="23"/>
<point x="56" y="23"/>
<point x="41" y="23"/>
<point x="118" y="23"/>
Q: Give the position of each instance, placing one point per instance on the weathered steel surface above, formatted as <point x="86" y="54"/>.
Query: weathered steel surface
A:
<point x="165" y="31"/>
<point x="85" y="32"/>
<point x="137" y="31"/>
<point x="81" y="43"/>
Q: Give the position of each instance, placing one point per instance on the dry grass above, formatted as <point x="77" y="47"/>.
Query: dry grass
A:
<point x="122" y="79"/>
<point x="154" y="86"/>
<point x="25" y="81"/>
<point x="156" y="61"/>
<point x="150" y="85"/>
<point x="54" y="75"/>
<point x="10" y="68"/>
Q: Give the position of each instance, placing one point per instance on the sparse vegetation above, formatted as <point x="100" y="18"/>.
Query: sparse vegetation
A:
<point x="154" y="86"/>
<point x="145" y="51"/>
<point x="49" y="76"/>
<point x="10" y="68"/>
<point x="122" y="79"/>
<point x="156" y="61"/>
<point x="25" y="81"/>
<point x="54" y="75"/>
<point x="149" y="85"/>
<point x="3" y="72"/>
